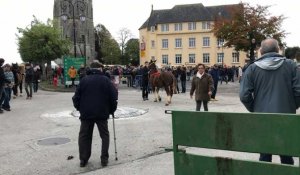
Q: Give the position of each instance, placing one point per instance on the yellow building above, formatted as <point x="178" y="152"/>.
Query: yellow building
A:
<point x="182" y="36"/>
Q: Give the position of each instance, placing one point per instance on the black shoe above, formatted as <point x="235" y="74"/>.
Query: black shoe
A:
<point x="83" y="163"/>
<point x="6" y="109"/>
<point x="104" y="162"/>
<point x="1" y="111"/>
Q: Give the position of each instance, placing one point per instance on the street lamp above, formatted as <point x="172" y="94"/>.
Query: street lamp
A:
<point x="80" y="5"/>
<point x="252" y="48"/>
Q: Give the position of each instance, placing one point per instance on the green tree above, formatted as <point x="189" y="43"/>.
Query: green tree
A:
<point x="132" y="51"/>
<point x="107" y="47"/>
<point x="41" y="43"/>
<point x="247" y="23"/>
<point x="292" y="52"/>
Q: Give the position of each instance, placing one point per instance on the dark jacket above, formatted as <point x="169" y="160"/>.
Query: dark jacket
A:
<point x="29" y="75"/>
<point x="81" y="72"/>
<point x="214" y="72"/>
<point x="3" y="80"/>
<point x="182" y="75"/>
<point x="95" y="97"/>
<point x="202" y="87"/>
<point x="271" y="85"/>
<point x="36" y="76"/>
<point x="145" y="76"/>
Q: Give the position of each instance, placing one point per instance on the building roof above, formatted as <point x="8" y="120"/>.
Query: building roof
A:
<point x="188" y="13"/>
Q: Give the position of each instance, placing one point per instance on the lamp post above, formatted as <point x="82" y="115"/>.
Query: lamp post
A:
<point x="252" y="48"/>
<point x="65" y="16"/>
<point x="98" y="44"/>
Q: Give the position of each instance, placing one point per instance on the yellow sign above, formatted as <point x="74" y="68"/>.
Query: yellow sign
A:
<point x="143" y="53"/>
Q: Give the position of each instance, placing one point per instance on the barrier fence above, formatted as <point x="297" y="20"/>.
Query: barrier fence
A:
<point x="276" y="134"/>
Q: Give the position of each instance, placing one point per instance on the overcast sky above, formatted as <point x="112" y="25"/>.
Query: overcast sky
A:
<point x="117" y="14"/>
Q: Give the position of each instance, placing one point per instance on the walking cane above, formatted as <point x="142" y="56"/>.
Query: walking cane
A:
<point x="115" y="140"/>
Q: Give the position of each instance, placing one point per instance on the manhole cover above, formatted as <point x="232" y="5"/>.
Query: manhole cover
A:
<point x="54" y="141"/>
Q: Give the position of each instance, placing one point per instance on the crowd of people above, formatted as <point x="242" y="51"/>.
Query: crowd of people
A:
<point x="28" y="76"/>
<point x="12" y="77"/>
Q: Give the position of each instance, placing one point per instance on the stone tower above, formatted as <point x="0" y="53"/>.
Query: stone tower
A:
<point x="75" y="17"/>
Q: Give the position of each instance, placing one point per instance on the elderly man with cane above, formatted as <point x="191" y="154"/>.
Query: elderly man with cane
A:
<point x="95" y="98"/>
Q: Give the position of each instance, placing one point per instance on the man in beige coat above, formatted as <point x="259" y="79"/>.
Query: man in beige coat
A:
<point x="203" y="84"/>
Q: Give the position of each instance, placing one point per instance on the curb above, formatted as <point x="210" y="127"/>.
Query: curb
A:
<point x="56" y="90"/>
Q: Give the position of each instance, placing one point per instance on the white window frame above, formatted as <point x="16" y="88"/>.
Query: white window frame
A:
<point x="165" y="43"/>
<point x="192" y="25"/>
<point x="206" y="57"/>
<point x="192" y="58"/>
<point x="178" y="26"/>
<point x="206" y="42"/>
<point x="178" y="42"/>
<point x="152" y="28"/>
<point x="192" y="42"/>
<point x="152" y="44"/>
<point x="220" y="57"/>
<point x="165" y="59"/>
<point x="220" y="42"/>
<point x="206" y="25"/>
<point x="164" y="27"/>
<point x="178" y="58"/>
<point x="235" y="57"/>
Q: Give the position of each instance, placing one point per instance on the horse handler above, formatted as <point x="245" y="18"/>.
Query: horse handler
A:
<point x="145" y="81"/>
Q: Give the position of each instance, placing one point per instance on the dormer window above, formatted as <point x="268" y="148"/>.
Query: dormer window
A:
<point x="152" y="28"/>
<point x="192" y="25"/>
<point x="165" y="27"/>
<point x="206" y="25"/>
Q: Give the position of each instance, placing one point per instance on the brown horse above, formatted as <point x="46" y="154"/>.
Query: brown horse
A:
<point x="162" y="79"/>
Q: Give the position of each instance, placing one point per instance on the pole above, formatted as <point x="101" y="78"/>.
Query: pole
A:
<point x="74" y="31"/>
<point x="81" y="17"/>
<point x="115" y="140"/>
<point x="252" y="48"/>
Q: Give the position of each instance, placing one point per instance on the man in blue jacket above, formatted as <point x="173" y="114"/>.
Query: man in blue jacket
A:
<point x="271" y="85"/>
<point x="214" y="72"/>
<point x="95" y="98"/>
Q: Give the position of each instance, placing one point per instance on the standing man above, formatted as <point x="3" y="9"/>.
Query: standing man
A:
<point x="6" y="94"/>
<point x="202" y="83"/>
<point x="81" y="72"/>
<point x="240" y="74"/>
<point x="145" y="81"/>
<point x="72" y="73"/>
<point x="271" y="85"/>
<point x="2" y="81"/>
<point x="95" y="98"/>
<point x="183" y="79"/>
<point x="28" y="80"/>
<point x="214" y="72"/>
